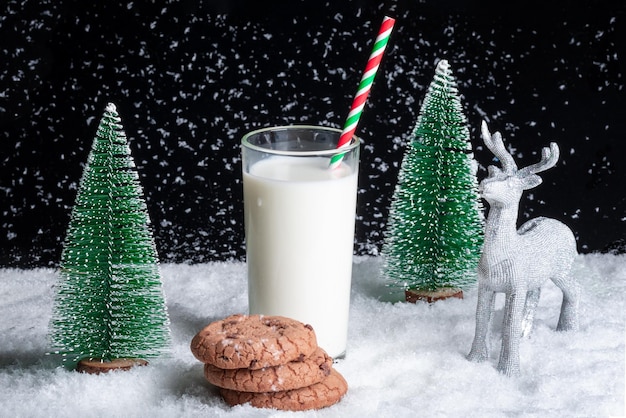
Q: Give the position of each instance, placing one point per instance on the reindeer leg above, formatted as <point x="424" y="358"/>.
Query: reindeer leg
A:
<point x="532" y="300"/>
<point x="568" y="320"/>
<point x="480" y="346"/>
<point x="511" y="333"/>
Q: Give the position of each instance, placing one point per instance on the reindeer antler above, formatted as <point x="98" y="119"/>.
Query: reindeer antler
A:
<point x="496" y="146"/>
<point x="549" y="157"/>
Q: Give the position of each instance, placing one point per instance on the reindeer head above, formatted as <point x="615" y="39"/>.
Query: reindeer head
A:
<point x="505" y="186"/>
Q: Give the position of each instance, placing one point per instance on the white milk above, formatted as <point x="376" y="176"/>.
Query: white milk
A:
<point x="299" y="219"/>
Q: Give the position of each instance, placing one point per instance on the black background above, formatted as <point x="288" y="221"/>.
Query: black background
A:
<point x="191" y="77"/>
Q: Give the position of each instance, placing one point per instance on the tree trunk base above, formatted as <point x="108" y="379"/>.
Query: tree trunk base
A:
<point x="97" y="366"/>
<point x="414" y="296"/>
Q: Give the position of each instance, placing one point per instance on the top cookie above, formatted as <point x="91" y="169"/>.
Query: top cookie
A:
<point x="253" y="342"/>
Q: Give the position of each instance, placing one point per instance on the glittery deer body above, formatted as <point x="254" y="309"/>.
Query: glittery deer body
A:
<point x="518" y="261"/>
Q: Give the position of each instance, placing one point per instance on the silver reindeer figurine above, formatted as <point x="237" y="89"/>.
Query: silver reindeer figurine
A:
<point x="518" y="261"/>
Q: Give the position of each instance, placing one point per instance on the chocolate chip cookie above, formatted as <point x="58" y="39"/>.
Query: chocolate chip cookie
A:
<point x="320" y="395"/>
<point x="292" y="375"/>
<point x="253" y="342"/>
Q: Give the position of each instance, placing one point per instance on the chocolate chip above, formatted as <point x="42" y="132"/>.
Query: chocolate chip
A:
<point x="325" y="368"/>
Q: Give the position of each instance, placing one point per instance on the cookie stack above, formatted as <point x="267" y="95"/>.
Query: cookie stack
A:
<point x="269" y="362"/>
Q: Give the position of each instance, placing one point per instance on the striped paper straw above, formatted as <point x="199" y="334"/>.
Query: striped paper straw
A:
<point x="364" y="88"/>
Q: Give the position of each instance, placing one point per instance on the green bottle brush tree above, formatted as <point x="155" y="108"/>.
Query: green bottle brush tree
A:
<point x="435" y="228"/>
<point x="110" y="306"/>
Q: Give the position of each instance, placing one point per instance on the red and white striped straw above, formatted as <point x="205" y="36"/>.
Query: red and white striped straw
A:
<point x="365" y="86"/>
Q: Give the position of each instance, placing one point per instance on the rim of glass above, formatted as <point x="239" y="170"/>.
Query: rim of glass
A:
<point x="356" y="141"/>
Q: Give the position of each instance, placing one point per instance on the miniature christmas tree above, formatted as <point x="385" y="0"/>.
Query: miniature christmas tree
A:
<point x="110" y="303"/>
<point x="435" y="227"/>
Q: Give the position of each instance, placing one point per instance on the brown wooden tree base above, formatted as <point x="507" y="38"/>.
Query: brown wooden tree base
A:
<point x="97" y="366"/>
<point x="414" y="296"/>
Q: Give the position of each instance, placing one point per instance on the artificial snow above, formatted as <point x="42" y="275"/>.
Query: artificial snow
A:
<point x="403" y="360"/>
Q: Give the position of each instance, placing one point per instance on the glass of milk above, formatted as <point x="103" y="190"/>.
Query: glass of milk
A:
<point x="299" y="225"/>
